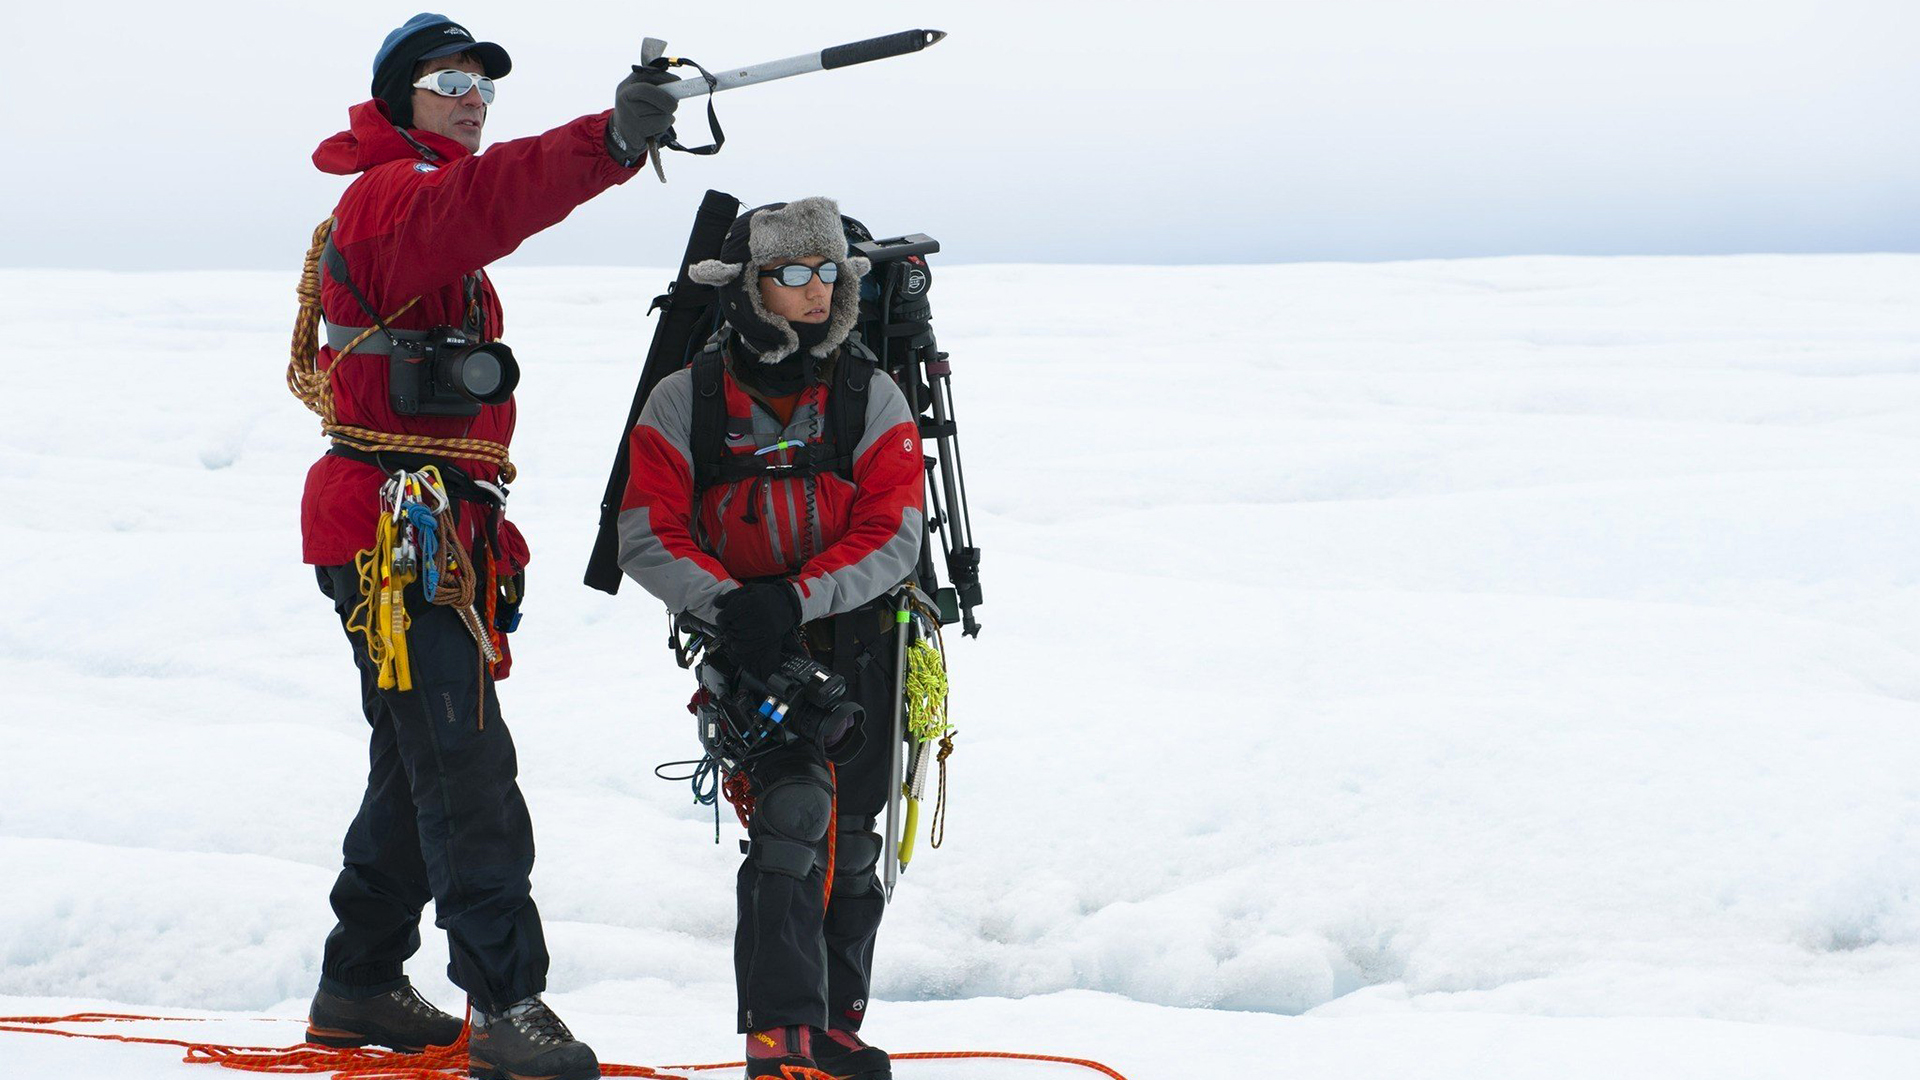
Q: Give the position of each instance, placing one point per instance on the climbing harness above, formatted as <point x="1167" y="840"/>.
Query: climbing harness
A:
<point x="436" y="1063"/>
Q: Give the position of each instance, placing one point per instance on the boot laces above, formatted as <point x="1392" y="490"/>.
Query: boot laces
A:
<point x="410" y="1000"/>
<point x="539" y="1023"/>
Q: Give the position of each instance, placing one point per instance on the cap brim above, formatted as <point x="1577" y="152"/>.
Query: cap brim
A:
<point x="494" y="62"/>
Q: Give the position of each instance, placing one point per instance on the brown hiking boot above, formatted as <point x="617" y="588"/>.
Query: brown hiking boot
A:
<point x="525" y="1041"/>
<point x="398" y="1020"/>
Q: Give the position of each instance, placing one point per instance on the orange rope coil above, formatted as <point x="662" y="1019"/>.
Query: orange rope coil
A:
<point x="436" y="1063"/>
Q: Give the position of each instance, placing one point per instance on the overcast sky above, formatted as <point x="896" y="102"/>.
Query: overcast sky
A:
<point x="146" y="136"/>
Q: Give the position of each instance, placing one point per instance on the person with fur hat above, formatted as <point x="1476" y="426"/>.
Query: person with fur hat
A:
<point x="791" y="544"/>
<point x="442" y="817"/>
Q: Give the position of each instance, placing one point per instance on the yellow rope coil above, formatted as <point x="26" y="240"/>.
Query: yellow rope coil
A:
<point x="926" y="691"/>
<point x="313" y="385"/>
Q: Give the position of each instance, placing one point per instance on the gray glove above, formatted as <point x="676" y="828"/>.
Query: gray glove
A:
<point x="641" y="112"/>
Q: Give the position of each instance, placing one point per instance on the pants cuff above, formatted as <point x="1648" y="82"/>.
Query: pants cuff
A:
<point x="361" y="991"/>
<point x="763" y="1021"/>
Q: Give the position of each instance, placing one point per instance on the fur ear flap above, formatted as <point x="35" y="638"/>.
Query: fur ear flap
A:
<point x="858" y="265"/>
<point x="714" y="272"/>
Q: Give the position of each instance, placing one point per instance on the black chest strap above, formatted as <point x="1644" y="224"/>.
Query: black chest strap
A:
<point x="846" y="420"/>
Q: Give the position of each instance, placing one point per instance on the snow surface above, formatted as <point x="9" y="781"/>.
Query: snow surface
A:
<point x="1455" y="669"/>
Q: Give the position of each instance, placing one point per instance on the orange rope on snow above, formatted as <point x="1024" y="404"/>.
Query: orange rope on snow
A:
<point x="435" y="1063"/>
<point x="346" y="1063"/>
<point x="944" y="1055"/>
<point x="953" y="1055"/>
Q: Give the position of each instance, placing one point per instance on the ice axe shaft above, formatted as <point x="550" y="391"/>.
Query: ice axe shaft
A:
<point x="896" y="780"/>
<point x="839" y="56"/>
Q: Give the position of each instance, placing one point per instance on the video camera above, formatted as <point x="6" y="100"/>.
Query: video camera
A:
<point x="740" y="715"/>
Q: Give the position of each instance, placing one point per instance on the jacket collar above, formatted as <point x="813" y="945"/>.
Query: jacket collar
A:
<point x="371" y="139"/>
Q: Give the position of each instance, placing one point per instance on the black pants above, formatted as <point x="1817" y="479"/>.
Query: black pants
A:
<point x="797" y="958"/>
<point x="442" y="817"/>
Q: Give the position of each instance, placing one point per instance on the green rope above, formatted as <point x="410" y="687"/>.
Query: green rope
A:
<point x="926" y="691"/>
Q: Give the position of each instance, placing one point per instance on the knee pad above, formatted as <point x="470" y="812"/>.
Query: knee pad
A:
<point x="856" y="852"/>
<point x="790" y="818"/>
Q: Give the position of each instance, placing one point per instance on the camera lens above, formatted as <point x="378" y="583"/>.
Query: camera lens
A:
<point x="480" y="375"/>
<point x="484" y="373"/>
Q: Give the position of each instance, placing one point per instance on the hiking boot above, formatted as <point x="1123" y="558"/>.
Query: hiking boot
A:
<point x="783" y="1053"/>
<point x="843" y="1054"/>
<point x="398" y="1020"/>
<point x="525" y="1041"/>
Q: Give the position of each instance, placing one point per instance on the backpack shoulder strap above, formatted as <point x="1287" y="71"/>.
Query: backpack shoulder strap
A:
<point x="708" y="441"/>
<point x="847" y="403"/>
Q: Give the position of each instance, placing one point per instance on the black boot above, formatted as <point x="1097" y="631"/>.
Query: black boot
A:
<point x="781" y="1052"/>
<point x="846" y="1056"/>
<point x="525" y="1041"/>
<point x="399" y="1020"/>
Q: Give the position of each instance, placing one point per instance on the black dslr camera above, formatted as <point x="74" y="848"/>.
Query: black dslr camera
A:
<point x="450" y="373"/>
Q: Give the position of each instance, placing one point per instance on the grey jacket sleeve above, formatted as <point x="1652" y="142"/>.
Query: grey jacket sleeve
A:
<point x="657" y="548"/>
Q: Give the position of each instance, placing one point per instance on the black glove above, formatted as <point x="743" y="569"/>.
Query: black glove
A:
<point x="755" y="621"/>
<point x="641" y="111"/>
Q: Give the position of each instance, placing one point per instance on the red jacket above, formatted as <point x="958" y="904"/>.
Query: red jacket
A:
<point x="840" y="544"/>
<point x="416" y="224"/>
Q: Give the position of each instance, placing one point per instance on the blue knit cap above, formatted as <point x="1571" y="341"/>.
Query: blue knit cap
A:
<point x="426" y="36"/>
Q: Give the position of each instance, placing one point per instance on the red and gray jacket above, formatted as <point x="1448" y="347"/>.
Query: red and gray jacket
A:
<point x="424" y="215"/>
<point x="840" y="542"/>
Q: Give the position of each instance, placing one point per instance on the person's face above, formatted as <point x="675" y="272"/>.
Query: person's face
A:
<point x="797" y="304"/>
<point x="459" y="119"/>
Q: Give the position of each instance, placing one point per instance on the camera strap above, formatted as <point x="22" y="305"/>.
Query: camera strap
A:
<point x="336" y="265"/>
<point x="342" y="339"/>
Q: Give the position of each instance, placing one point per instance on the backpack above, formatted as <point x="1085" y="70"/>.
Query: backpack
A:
<point x="894" y="335"/>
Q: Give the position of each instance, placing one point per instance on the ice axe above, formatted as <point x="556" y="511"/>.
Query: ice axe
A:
<point x="903" y="630"/>
<point x="653" y="53"/>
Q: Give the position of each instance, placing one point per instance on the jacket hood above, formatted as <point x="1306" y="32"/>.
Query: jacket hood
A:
<point x="371" y="139"/>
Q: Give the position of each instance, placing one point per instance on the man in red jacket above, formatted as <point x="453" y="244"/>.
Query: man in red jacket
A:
<point x="443" y="817"/>
<point x="791" y="540"/>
